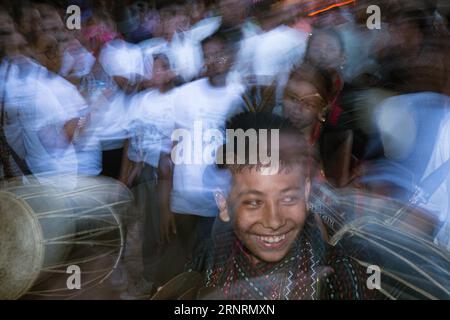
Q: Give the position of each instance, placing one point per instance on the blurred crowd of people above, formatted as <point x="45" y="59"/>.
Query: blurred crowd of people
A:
<point x="105" y="99"/>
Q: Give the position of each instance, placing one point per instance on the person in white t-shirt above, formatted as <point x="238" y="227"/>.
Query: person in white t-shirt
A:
<point x="268" y="52"/>
<point x="150" y="125"/>
<point x="49" y="53"/>
<point x="199" y="107"/>
<point x="150" y="122"/>
<point x="37" y="125"/>
<point x="180" y="42"/>
<point x="123" y="63"/>
<point x="77" y="61"/>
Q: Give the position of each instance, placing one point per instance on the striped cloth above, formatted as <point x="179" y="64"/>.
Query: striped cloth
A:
<point x="311" y="270"/>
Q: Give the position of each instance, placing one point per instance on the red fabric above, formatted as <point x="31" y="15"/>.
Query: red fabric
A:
<point x="97" y="35"/>
<point x="336" y="110"/>
<point x="335" y="113"/>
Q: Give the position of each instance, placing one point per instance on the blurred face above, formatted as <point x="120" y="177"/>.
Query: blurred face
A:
<point x="181" y="21"/>
<point x="233" y="12"/>
<point x="53" y="26"/>
<point x="217" y="59"/>
<point x="303" y="105"/>
<point x="197" y="10"/>
<point x="154" y="23"/>
<point x="15" y="44"/>
<point x="30" y="21"/>
<point x="161" y="72"/>
<point x="48" y="53"/>
<point x="64" y="39"/>
<point x="325" y="51"/>
<point x="6" y="24"/>
<point x="52" y="23"/>
<point x="269" y="211"/>
<point x="174" y="22"/>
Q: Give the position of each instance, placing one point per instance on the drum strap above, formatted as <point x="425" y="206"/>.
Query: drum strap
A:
<point x="5" y="149"/>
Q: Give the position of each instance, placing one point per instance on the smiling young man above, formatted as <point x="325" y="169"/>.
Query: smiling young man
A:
<point x="267" y="245"/>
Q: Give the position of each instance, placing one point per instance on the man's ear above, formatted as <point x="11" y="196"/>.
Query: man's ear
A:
<point x="221" y="202"/>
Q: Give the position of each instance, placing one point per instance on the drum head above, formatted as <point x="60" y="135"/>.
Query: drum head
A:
<point x="47" y="226"/>
<point x="22" y="252"/>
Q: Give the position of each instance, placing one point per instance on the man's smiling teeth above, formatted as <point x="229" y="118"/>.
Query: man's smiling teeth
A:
<point x="273" y="239"/>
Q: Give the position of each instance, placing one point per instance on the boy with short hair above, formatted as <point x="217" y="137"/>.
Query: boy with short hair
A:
<point x="269" y="245"/>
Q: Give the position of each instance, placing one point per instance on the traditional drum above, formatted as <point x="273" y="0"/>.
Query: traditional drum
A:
<point x="411" y="265"/>
<point x="47" y="227"/>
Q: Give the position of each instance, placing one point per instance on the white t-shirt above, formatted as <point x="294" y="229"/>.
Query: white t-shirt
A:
<point x="109" y="121"/>
<point x="246" y="49"/>
<point x="31" y="108"/>
<point x="184" y="51"/>
<point x="120" y="58"/>
<point x="151" y="123"/>
<point x="270" y="56"/>
<point x="149" y="48"/>
<point x="275" y="52"/>
<point x="200" y="110"/>
<point x="76" y="61"/>
<point x="87" y="146"/>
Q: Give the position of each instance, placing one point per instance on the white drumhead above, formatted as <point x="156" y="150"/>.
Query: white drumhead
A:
<point x="21" y="248"/>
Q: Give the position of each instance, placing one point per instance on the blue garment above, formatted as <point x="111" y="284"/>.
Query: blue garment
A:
<point x="427" y="110"/>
